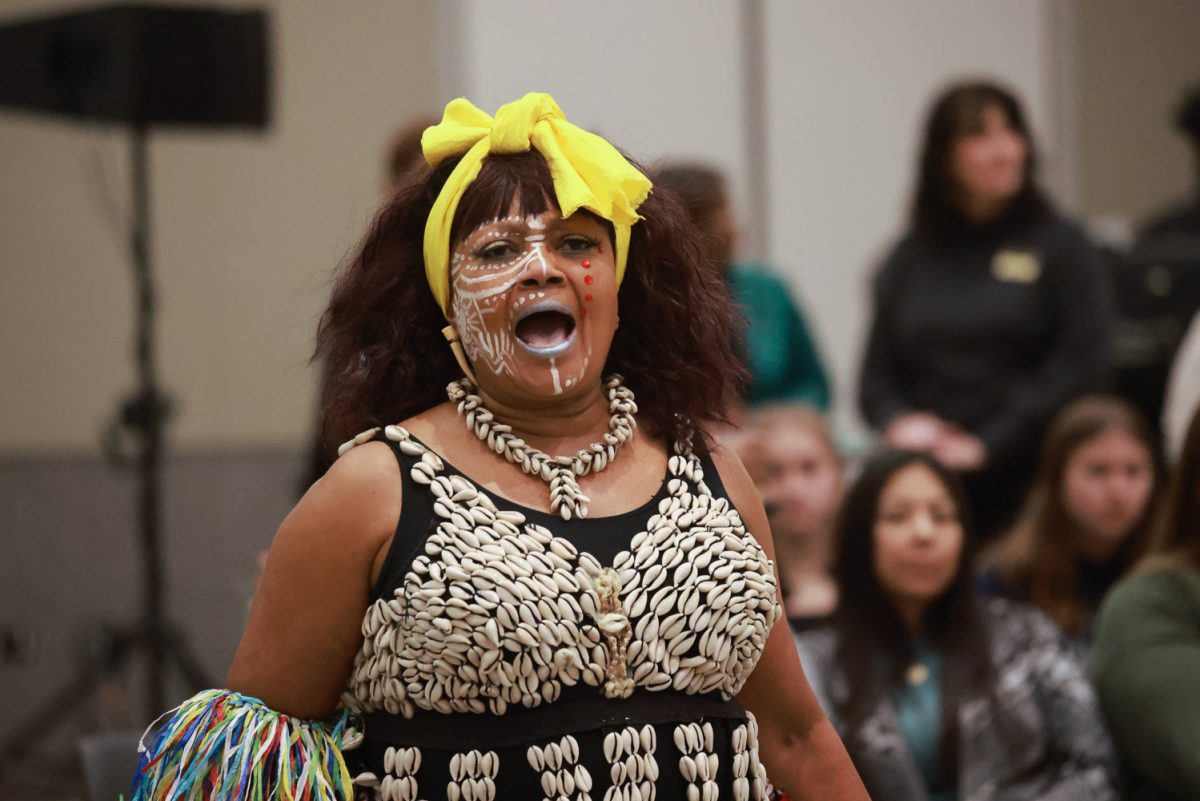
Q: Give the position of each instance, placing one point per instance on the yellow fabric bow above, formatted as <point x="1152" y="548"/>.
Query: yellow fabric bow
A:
<point x="587" y="171"/>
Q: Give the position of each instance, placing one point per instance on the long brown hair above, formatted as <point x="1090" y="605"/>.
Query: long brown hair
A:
<point x="381" y="334"/>
<point x="1037" y="559"/>
<point x="957" y="112"/>
<point x="1176" y="538"/>
<point x="874" y="646"/>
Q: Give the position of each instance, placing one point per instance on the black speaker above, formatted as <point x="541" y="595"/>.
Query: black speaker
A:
<point x="143" y="64"/>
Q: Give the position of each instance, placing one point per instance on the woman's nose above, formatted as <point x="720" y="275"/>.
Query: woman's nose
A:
<point x="922" y="526"/>
<point x="541" y="269"/>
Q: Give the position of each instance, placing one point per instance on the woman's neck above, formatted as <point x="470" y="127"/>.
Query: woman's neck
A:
<point x="803" y="554"/>
<point x="979" y="210"/>
<point x="911" y="613"/>
<point x="565" y="425"/>
<point x="1097" y="550"/>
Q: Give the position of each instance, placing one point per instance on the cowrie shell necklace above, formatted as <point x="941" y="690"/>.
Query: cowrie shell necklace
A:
<point x="560" y="472"/>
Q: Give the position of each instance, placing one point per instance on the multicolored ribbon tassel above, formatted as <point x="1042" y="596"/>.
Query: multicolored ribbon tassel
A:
<point x="223" y="745"/>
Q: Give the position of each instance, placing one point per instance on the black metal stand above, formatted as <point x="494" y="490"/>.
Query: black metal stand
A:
<point x="143" y="416"/>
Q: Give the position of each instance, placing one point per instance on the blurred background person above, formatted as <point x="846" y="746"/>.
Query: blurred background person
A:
<point x="990" y="313"/>
<point x="1183" y="218"/>
<point x="1146" y="661"/>
<point x="790" y="454"/>
<point x="1087" y="518"/>
<point x="404" y="154"/>
<point x="1158" y="293"/>
<point x="939" y="694"/>
<point x="778" y="349"/>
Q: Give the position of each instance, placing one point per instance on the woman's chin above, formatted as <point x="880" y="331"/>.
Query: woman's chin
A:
<point x="562" y="374"/>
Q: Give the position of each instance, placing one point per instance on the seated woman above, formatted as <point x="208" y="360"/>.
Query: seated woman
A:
<point x="1087" y="518"/>
<point x="790" y="454"/>
<point x="938" y="694"/>
<point x="536" y="587"/>
<point x="1146" y="660"/>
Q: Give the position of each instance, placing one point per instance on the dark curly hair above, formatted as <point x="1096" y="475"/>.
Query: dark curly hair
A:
<point x="381" y="336"/>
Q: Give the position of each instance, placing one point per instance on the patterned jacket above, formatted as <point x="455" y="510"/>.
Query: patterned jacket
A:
<point x="1064" y="752"/>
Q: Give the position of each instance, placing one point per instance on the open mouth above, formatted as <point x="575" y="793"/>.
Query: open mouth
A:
<point x="545" y="328"/>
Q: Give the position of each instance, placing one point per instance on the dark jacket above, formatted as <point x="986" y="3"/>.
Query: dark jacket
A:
<point x="1064" y="753"/>
<point x="995" y="331"/>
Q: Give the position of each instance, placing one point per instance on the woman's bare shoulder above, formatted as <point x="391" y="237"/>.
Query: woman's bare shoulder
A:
<point x="358" y="499"/>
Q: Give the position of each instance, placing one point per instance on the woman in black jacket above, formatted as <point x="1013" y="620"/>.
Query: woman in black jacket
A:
<point x="989" y="314"/>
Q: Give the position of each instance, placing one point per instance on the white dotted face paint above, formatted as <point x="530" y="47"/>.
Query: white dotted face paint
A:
<point x="549" y="279"/>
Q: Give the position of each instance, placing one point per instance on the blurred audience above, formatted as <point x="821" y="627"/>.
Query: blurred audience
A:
<point x="1184" y="218"/>
<point x="990" y="313"/>
<point x="939" y="694"/>
<point x="790" y="454"/>
<point x="1146" y="660"/>
<point x="1183" y="391"/>
<point x="1158" y="289"/>
<point x="404" y="154"/>
<point x="778" y="350"/>
<point x="1087" y="518"/>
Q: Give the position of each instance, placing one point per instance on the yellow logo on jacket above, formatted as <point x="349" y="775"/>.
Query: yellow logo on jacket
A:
<point x="1016" y="266"/>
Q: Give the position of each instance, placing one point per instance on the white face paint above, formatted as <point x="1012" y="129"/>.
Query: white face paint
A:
<point x="532" y="298"/>
<point x="478" y="287"/>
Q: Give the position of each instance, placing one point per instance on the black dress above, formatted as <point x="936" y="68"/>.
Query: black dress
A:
<point x="503" y="661"/>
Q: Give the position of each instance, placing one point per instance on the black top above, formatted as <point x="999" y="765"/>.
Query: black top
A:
<point x="995" y="331"/>
<point x="442" y="632"/>
<point x="603" y="537"/>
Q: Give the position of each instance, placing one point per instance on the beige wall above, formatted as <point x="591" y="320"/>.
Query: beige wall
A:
<point x="247" y="231"/>
<point x="1135" y="60"/>
<point x="850" y="83"/>
<point x="249" y="227"/>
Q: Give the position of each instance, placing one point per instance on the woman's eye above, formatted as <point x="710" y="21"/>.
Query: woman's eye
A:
<point x="945" y="516"/>
<point x="495" y="250"/>
<point x="578" y="243"/>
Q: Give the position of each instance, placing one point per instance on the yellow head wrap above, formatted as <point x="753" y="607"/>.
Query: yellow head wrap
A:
<point x="587" y="171"/>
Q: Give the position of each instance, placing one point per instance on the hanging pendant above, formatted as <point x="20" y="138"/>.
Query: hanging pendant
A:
<point x="561" y="473"/>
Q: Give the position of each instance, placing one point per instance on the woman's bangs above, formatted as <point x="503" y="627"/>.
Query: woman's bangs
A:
<point x="523" y="177"/>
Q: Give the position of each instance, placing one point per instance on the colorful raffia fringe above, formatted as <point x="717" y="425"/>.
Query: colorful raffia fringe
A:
<point x="223" y="745"/>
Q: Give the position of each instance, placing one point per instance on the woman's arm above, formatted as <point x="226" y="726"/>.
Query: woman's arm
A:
<point x="1146" y="667"/>
<point x="297" y="651"/>
<point x="1071" y="714"/>
<point x="305" y="622"/>
<point x="799" y="747"/>
<point x="880" y="396"/>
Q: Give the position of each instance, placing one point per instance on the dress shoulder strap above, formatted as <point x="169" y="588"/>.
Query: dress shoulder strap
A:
<point x="418" y="466"/>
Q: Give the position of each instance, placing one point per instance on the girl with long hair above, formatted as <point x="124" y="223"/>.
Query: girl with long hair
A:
<point x="937" y="693"/>
<point x="1087" y="518"/>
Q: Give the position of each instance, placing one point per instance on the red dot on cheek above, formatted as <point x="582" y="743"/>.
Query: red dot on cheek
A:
<point x="587" y="279"/>
<point x="583" y="312"/>
<point x="588" y="298"/>
<point x="587" y="265"/>
<point x="599" y="248"/>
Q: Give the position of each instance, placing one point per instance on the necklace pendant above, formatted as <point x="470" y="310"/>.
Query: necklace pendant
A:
<point x="560" y="472"/>
<point x="916" y="674"/>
